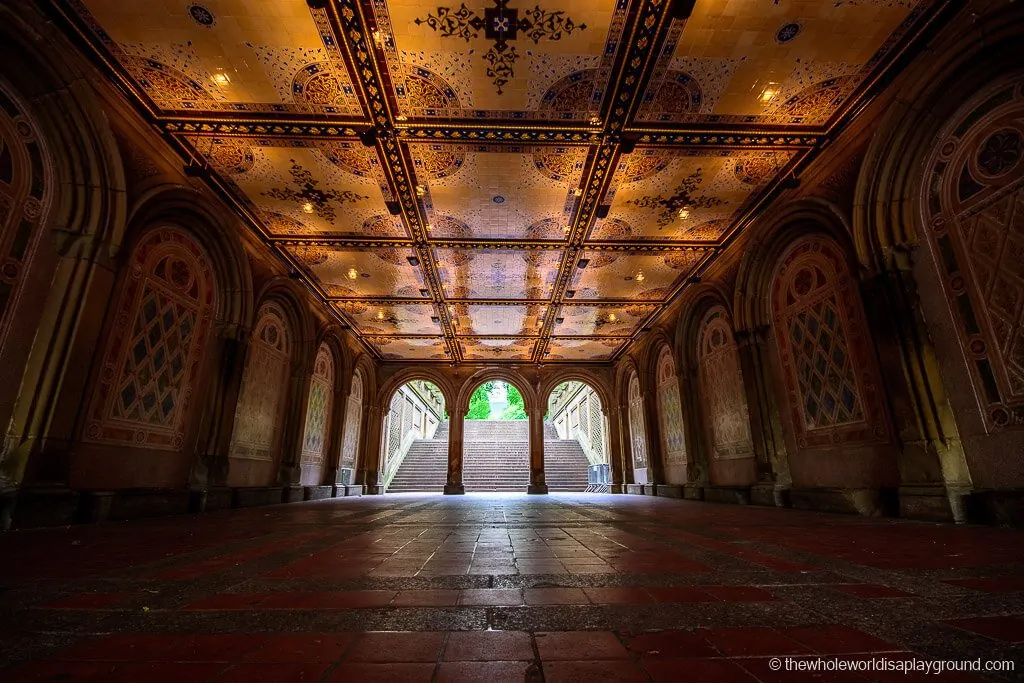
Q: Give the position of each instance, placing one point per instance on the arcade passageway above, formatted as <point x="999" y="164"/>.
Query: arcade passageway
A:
<point x="498" y="587"/>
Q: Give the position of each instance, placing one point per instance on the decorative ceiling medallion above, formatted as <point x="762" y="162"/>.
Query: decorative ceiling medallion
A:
<point x="309" y="197"/>
<point x="787" y="32"/>
<point x="501" y="25"/>
<point x="201" y="15"/>
<point x="683" y="198"/>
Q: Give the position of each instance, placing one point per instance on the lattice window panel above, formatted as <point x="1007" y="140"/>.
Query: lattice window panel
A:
<point x="825" y="373"/>
<point x="408" y="416"/>
<point x="596" y="428"/>
<point x="395" y="423"/>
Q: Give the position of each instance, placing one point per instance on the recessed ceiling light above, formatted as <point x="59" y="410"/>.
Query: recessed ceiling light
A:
<point x="639" y="276"/>
<point x="578" y="192"/>
<point x="308" y="207"/>
<point x="612" y="318"/>
<point x="420" y="190"/>
<point x="380" y="315"/>
<point x="769" y="92"/>
<point x="352" y="273"/>
<point x="684" y="213"/>
<point x="221" y="79"/>
<point x="401" y="117"/>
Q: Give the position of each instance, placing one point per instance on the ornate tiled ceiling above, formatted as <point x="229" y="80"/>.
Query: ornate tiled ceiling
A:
<point x="499" y="180"/>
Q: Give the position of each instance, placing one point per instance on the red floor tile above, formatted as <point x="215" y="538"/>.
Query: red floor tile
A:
<point x="492" y="597"/>
<point x="307" y="647"/>
<point x="678" y="595"/>
<point x="491" y="672"/>
<point x="593" y="672"/>
<point x="228" y="601"/>
<point x="382" y="673"/>
<point x="1003" y="584"/>
<point x="669" y="644"/>
<point x="1006" y="628"/>
<point x="579" y="645"/>
<point x="555" y="596"/>
<point x="837" y="639"/>
<point x="404" y="646"/>
<point x="469" y="646"/>
<point x="712" y="670"/>
<point x="762" y="669"/>
<point x="867" y="590"/>
<point x="739" y="593"/>
<point x="88" y="601"/>
<point x="272" y="673"/>
<point x="751" y="642"/>
<point x="426" y="598"/>
<point x="618" y="596"/>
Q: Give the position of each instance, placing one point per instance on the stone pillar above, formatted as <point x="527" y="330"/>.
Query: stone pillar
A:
<point x="652" y="430"/>
<point x="626" y="445"/>
<point x="456" y="425"/>
<point x="212" y="463"/>
<point x="537" y="481"/>
<point x="290" y="470"/>
<point x="336" y="430"/>
<point x="693" y="419"/>
<point x="614" y="440"/>
<point x="770" y="455"/>
<point x="368" y="470"/>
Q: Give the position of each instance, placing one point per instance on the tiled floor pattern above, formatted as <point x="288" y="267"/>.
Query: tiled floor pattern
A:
<point x="568" y="587"/>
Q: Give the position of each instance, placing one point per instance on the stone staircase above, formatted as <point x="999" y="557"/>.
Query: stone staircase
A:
<point x="496" y="457"/>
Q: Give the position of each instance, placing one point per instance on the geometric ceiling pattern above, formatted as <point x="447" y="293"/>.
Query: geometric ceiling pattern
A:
<point x="498" y="180"/>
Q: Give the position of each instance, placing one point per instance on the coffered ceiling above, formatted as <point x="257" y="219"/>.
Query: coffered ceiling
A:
<point x="498" y="180"/>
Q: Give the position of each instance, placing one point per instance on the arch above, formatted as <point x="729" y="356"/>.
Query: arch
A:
<point x="698" y="301"/>
<point x="255" y="442"/>
<point x="887" y="197"/>
<point x="971" y="201"/>
<point x="751" y="305"/>
<point x="561" y="375"/>
<point x="191" y="211"/>
<point x="670" y="414"/>
<point x="591" y="417"/>
<point x="509" y="375"/>
<point x="406" y="375"/>
<point x="318" y="417"/>
<point x="289" y="297"/>
<point x="155" y="345"/>
<point x="826" y="356"/>
<point x="722" y="394"/>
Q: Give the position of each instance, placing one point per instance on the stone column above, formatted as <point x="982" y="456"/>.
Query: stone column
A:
<point x="336" y="431"/>
<point x="696" y="454"/>
<point x="537" y="481"/>
<point x="290" y="470"/>
<point x="614" y="440"/>
<point x="456" y="424"/>
<point x="626" y="446"/>
<point x="771" y="459"/>
<point x="368" y="467"/>
<point x="212" y="462"/>
<point x="652" y="430"/>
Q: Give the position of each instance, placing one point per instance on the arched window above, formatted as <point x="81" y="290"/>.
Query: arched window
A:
<point x="721" y="382"/>
<point x="318" y="416"/>
<point x="670" y="411"/>
<point x="974" y="196"/>
<point x="155" y="345"/>
<point x="21" y="205"/>
<point x="827" y="361"/>
<point x="258" y="416"/>
<point x="637" y="430"/>
<point x="353" y="417"/>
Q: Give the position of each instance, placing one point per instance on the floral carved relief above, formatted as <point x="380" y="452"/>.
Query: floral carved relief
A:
<point x="722" y="389"/>
<point x="670" y="410"/>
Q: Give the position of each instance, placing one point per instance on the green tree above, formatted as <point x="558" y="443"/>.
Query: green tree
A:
<point x="516" y="409"/>
<point x="480" y="402"/>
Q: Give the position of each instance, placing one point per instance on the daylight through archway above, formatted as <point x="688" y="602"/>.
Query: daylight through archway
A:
<point x="576" y="440"/>
<point x="496" y="440"/>
<point x="414" y="448"/>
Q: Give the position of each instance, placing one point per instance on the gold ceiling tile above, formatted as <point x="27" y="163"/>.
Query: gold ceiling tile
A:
<point x="345" y="272"/>
<point x="506" y="319"/>
<point x="497" y="273"/>
<point x="389" y="318"/>
<point x="409" y="348"/>
<point x="619" y="319"/>
<point x="582" y="349"/>
<point x="483" y="348"/>
<point x="634" y="275"/>
<point x="245" y="55"/>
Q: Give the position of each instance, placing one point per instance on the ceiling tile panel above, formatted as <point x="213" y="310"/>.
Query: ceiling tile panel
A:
<point x="498" y="320"/>
<point x="492" y="349"/>
<point x="616" y="320"/>
<point x="497" y="273"/>
<point x="583" y="349"/>
<point x="634" y="275"/>
<point x="409" y="348"/>
<point x="553" y="60"/>
<point x="755" y="61"/>
<point x="225" y="55"/>
<point x="381" y="318"/>
<point x="308" y="188"/>
<point x="346" y="272"/>
<point x="684" y="194"/>
<point x="490" y="191"/>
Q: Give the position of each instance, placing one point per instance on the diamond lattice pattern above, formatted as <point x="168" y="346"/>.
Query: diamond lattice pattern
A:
<point x="824" y="370"/>
<point x="154" y="367"/>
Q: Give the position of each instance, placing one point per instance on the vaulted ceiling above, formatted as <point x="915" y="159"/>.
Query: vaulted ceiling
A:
<point x="499" y="180"/>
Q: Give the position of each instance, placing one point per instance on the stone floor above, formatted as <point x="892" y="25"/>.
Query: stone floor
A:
<point x="568" y="587"/>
